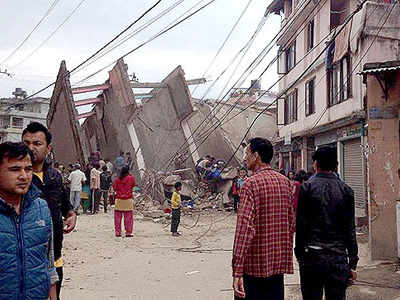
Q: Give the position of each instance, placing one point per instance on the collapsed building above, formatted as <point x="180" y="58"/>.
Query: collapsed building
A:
<point x="163" y="129"/>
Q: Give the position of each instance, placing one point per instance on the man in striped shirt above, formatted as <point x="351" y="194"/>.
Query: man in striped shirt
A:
<point x="263" y="247"/>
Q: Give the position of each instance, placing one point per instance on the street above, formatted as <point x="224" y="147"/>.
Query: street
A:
<point x="155" y="265"/>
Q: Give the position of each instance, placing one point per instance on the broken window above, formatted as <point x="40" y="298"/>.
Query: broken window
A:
<point x="339" y="81"/>
<point x="18" y="122"/>
<point x="291" y="107"/>
<point x="290" y="54"/>
<point x="310" y="35"/>
<point x="310" y="97"/>
<point x="339" y="11"/>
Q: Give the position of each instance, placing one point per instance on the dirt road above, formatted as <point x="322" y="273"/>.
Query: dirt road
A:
<point x="155" y="265"/>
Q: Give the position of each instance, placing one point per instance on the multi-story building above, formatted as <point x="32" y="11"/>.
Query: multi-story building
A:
<point x="14" y="118"/>
<point x="323" y="97"/>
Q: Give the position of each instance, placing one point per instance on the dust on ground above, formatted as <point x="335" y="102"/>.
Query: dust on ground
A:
<point x="197" y="265"/>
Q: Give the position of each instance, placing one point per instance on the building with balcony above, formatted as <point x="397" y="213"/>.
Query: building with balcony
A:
<point x="15" y="115"/>
<point x="322" y="95"/>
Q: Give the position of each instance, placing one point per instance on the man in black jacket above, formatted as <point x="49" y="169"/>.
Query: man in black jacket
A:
<point x="326" y="245"/>
<point x="37" y="137"/>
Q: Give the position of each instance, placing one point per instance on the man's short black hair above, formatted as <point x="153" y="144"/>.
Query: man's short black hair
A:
<point x="37" y="127"/>
<point x="178" y="184"/>
<point x="326" y="157"/>
<point x="264" y="149"/>
<point x="14" y="150"/>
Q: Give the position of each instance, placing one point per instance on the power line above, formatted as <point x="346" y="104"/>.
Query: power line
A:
<point x="50" y="36"/>
<point x="224" y="43"/>
<point x="359" y="7"/>
<point x="86" y="60"/>
<point x="250" y="69"/>
<point x="52" y="6"/>
<point x="138" y="30"/>
<point x="149" y="40"/>
<point x="253" y="65"/>
<point x="292" y="85"/>
<point x="360" y="60"/>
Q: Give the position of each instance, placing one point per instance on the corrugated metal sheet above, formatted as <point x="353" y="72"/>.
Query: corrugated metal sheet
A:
<point x="381" y="70"/>
<point x="354" y="174"/>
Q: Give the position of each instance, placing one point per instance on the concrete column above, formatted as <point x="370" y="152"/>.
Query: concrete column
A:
<point x="189" y="138"/>
<point x="135" y="142"/>
<point x="383" y="166"/>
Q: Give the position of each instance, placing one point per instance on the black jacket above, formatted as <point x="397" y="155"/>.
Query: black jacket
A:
<point x="105" y="181"/>
<point x="58" y="201"/>
<point x="326" y="217"/>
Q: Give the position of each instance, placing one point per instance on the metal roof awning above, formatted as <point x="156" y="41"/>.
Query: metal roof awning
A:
<point x="373" y="68"/>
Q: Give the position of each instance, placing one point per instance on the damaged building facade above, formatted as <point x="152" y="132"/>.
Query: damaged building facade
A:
<point x="328" y="104"/>
<point x="157" y="126"/>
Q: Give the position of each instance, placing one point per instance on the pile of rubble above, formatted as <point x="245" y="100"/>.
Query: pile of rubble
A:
<point x="152" y="200"/>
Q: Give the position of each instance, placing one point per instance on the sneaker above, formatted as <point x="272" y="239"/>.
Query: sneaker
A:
<point x="117" y="235"/>
<point x="129" y="235"/>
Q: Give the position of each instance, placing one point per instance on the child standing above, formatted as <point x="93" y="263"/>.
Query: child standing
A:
<point x="176" y="209"/>
<point x="236" y="186"/>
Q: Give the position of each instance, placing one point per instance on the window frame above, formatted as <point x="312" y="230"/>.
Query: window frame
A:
<point x="309" y="105"/>
<point x="289" y="51"/>
<point x="291" y="107"/>
<point x="310" y="35"/>
<point x="14" y="123"/>
<point x="339" y="75"/>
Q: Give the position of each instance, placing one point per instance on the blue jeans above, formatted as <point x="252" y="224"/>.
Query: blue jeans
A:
<point x="75" y="199"/>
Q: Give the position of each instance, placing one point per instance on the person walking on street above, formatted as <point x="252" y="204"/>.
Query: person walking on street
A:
<point x="105" y="185"/>
<point x="176" y="209"/>
<point x="263" y="246"/>
<point x="38" y="139"/>
<point x="77" y="178"/>
<point x="26" y="245"/>
<point x="123" y="187"/>
<point x="326" y="245"/>
<point x="95" y="187"/>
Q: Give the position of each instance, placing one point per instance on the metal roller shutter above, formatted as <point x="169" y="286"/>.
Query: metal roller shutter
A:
<point x="354" y="174"/>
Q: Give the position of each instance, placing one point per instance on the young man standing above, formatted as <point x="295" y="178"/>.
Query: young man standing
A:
<point x="326" y="244"/>
<point x="95" y="187"/>
<point x="105" y="185"/>
<point x="38" y="139"/>
<point x="26" y="247"/>
<point x="263" y="247"/>
<point x="77" y="178"/>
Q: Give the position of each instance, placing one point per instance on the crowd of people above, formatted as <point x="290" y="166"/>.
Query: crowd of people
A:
<point x="40" y="202"/>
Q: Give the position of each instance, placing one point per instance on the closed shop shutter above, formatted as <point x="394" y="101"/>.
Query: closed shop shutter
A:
<point x="354" y="173"/>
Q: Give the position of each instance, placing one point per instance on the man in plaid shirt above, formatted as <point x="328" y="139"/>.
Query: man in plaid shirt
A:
<point x="263" y="247"/>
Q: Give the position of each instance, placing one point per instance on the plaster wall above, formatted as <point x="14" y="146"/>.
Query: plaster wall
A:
<point x="383" y="167"/>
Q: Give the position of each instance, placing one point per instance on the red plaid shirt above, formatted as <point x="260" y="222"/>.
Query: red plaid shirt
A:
<point x="265" y="224"/>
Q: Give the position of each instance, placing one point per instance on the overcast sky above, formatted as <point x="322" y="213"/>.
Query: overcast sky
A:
<point x="191" y="44"/>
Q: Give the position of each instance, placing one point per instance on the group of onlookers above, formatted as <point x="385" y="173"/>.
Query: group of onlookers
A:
<point x="322" y="215"/>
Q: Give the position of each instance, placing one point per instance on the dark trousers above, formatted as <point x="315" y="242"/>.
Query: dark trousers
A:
<point x="104" y="194"/>
<point x="263" y="288"/>
<point x="95" y="200"/>
<point x="59" y="282"/>
<point x="176" y="219"/>
<point x="324" y="271"/>
<point x="236" y="199"/>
